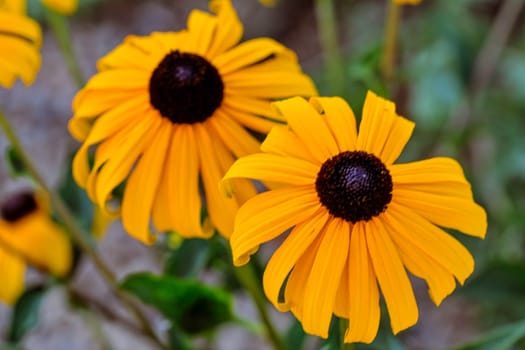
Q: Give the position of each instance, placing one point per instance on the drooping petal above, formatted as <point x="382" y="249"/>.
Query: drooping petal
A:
<point x="364" y="294"/>
<point x="340" y="119"/>
<point x="325" y="276"/>
<point x="382" y="132"/>
<point x="304" y="120"/>
<point x="142" y="185"/>
<point x="392" y="277"/>
<point x="12" y="269"/>
<point x="436" y="243"/>
<point x="268" y="215"/>
<point x="287" y="255"/>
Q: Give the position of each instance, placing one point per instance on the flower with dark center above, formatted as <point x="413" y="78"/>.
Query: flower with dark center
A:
<point x="17" y="206"/>
<point x="170" y="112"/>
<point x="355" y="221"/>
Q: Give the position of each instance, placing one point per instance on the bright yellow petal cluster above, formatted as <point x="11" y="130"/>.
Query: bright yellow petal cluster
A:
<point x="32" y="239"/>
<point x="20" y="41"/>
<point x="331" y="265"/>
<point x="65" y="7"/>
<point x="170" y="163"/>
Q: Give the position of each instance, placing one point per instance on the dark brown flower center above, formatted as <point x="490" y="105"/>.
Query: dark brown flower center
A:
<point x="354" y="186"/>
<point x="17" y="206"/>
<point x="185" y="88"/>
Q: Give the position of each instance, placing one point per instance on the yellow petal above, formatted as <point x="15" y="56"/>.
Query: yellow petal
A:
<point x="342" y="298"/>
<point x="306" y="122"/>
<point x="340" y="119"/>
<point x="12" y="270"/>
<point x="392" y="277"/>
<point x="234" y="136"/>
<point x="132" y="56"/>
<point x="202" y="27"/>
<point x="22" y="27"/>
<point x="229" y="28"/>
<point x="382" y="132"/>
<point x="251" y="112"/>
<point x="142" y="185"/>
<point x="268" y="215"/>
<point x="434" y="242"/>
<point x="325" y="276"/>
<point x="272" y="168"/>
<point x="282" y="141"/>
<point x="364" y="293"/>
<point x="220" y="208"/>
<point x="120" y="79"/>
<point x="253" y="52"/>
<point x="65" y="7"/>
<point x="13" y="6"/>
<point x="288" y="253"/>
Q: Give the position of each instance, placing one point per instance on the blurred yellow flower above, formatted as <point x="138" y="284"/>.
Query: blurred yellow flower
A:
<point x="65" y="7"/>
<point x="171" y="111"/>
<point x="29" y="236"/>
<point x="269" y="3"/>
<point x="20" y="41"/>
<point x="358" y="222"/>
<point x="407" y="2"/>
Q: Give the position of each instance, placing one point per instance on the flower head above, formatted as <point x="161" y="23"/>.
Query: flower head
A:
<point x="28" y="235"/>
<point x="358" y="221"/>
<point x="20" y="41"/>
<point x="171" y="111"/>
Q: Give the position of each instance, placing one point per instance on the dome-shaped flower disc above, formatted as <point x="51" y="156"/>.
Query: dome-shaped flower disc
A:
<point x="358" y="221"/>
<point x="29" y="236"/>
<point x="171" y="110"/>
<point x="20" y="41"/>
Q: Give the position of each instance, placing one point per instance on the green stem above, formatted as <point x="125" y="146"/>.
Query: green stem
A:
<point x="59" y="27"/>
<point x="246" y="276"/>
<point x="75" y="232"/>
<point x="390" y="45"/>
<point x="343" y="325"/>
<point x="327" y="23"/>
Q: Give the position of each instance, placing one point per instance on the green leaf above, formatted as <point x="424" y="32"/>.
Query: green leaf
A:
<point x="25" y="313"/>
<point x="192" y="306"/>
<point x="189" y="258"/>
<point x="502" y="338"/>
<point x="14" y="163"/>
<point x="295" y="336"/>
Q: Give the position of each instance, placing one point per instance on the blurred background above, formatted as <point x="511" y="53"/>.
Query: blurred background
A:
<point x="459" y="74"/>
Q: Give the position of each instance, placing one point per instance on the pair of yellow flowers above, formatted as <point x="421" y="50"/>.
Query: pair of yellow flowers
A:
<point x="168" y="116"/>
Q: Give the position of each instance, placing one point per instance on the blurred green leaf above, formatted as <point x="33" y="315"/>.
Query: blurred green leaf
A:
<point x="295" y="336"/>
<point x="25" y="313"/>
<point x="502" y="338"/>
<point x="14" y="163"/>
<point x="189" y="258"/>
<point x="191" y="305"/>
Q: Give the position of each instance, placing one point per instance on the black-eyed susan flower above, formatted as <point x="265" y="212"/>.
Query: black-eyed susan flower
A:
<point x="358" y="221"/>
<point x="20" y="41"/>
<point x="29" y="236"/>
<point x="171" y="110"/>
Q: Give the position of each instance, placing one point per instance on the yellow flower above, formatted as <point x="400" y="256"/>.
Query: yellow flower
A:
<point x="28" y="235"/>
<point x="64" y="7"/>
<point x="407" y="2"/>
<point x="357" y="219"/>
<point x="269" y="3"/>
<point x="170" y="110"/>
<point x="20" y="41"/>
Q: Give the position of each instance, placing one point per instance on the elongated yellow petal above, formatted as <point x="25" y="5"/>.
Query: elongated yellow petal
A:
<point x="364" y="293"/>
<point x="282" y="141"/>
<point x="382" y="132"/>
<point x="392" y="277"/>
<point x="324" y="279"/>
<point x="340" y="119"/>
<point x="201" y="26"/>
<point x="229" y="27"/>
<point x="142" y="185"/>
<point x="12" y="269"/>
<point x="288" y="253"/>
<point x="436" y="243"/>
<point x="120" y="79"/>
<point x="65" y="7"/>
<point x="250" y="117"/>
<point x="268" y="215"/>
<point x="305" y="121"/>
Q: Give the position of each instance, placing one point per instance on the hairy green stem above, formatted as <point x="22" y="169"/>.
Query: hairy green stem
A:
<point x="327" y="24"/>
<point x="59" y="27"/>
<point x="390" y="41"/>
<point x="246" y="276"/>
<point x="75" y="232"/>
